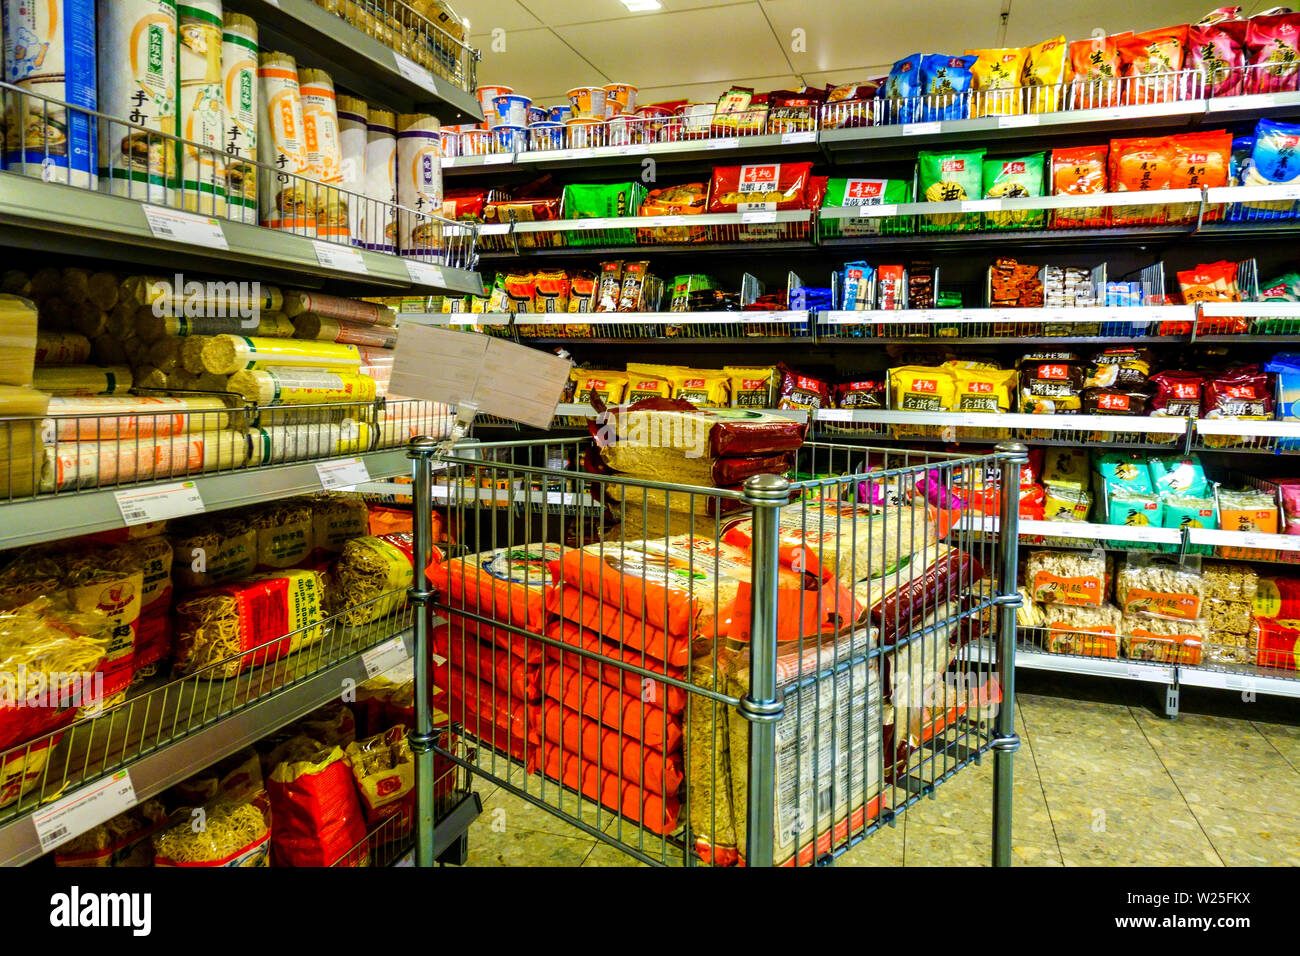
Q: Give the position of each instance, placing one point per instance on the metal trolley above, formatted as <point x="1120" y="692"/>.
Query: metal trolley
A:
<point x="796" y="685"/>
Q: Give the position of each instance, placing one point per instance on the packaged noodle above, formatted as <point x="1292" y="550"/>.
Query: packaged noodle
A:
<point x="336" y="519"/>
<point x="153" y="637"/>
<point x="574" y="733"/>
<point x="239" y="72"/>
<point x="997" y="82"/>
<point x="373" y="575"/>
<point x="609" y="385"/>
<point x="950" y="177"/>
<point x="1091" y="631"/>
<point x="227" y="354"/>
<point x="1151" y="64"/>
<point x="644" y="385"/>
<point x="706" y="388"/>
<point x="923" y="389"/>
<point x="1156" y="586"/>
<point x="284" y="533"/>
<point x="1077" y="578"/>
<point x="1218" y="51"/>
<point x="125" y="840"/>
<point x="1095" y="70"/>
<point x="1018" y="178"/>
<point x="138" y="418"/>
<point x="281" y="145"/>
<point x="505" y="584"/>
<point x="222" y="631"/>
<point x="1044" y="74"/>
<point x="982" y="390"/>
<point x="234" y="833"/>
<point x="751" y="387"/>
<point x="318" y="820"/>
<point x="302" y="386"/>
<point x="202" y="115"/>
<point x="1051" y="383"/>
<point x="947" y="81"/>
<point x="383" y="768"/>
<point x="1063" y="504"/>
<point x="212" y="550"/>
<point x="1066" y="467"/>
<point x="281" y="443"/>
<point x="552" y="292"/>
<point x="1166" y="642"/>
<point x="800" y="391"/>
<point x="1273" y="43"/>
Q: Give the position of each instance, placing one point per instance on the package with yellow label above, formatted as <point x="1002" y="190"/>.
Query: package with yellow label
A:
<point x="645" y="385"/>
<point x="1044" y="75"/>
<point x="706" y="388"/>
<point x="373" y="575"/>
<point x="751" y="387"/>
<point x="921" y="388"/>
<point x="996" y="75"/>
<point x="610" y="385"/>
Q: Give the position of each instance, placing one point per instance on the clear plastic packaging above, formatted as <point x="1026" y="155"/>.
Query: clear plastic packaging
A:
<point x="1156" y="586"/>
<point x="1067" y="577"/>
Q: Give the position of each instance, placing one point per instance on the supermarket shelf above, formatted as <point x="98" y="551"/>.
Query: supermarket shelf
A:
<point x="57" y="218"/>
<point x="316" y="37"/>
<point x="586" y="411"/>
<point x="1121" y="324"/>
<point x="1225" y="109"/>
<point x="67" y="514"/>
<point x="1243" y="679"/>
<point x="171" y="762"/>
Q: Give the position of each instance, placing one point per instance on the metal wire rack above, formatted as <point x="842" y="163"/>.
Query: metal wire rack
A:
<point x="85" y="737"/>
<point x="689" y="731"/>
<point x="92" y="150"/>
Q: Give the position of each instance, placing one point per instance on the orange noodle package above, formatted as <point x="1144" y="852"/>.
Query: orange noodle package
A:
<point x="506" y="584"/>
<point x="318" y="819"/>
<point x="1140" y="165"/>
<point x="615" y="708"/>
<point x="621" y="625"/>
<point x="1198" y="160"/>
<point x="654" y="812"/>
<point x="491" y="716"/>
<point x="1095" y="72"/>
<point x="1080" y="171"/>
<point x="493" y="666"/>
<point x="1151" y="62"/>
<point x="579" y="735"/>
<point x="673" y="699"/>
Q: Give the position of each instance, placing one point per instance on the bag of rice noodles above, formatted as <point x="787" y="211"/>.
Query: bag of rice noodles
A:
<point x="234" y="833"/>
<point x="337" y="519"/>
<point x="506" y="584"/>
<point x="224" y="630"/>
<point x="374" y="574"/>
<point x="318" y="820"/>
<point x="212" y="550"/>
<point x="285" y="534"/>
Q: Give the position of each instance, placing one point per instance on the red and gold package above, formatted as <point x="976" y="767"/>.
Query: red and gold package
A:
<point x="464" y="204"/>
<point x="761" y="186"/>
<point x="1196" y="160"/>
<point x="1151" y="62"/>
<point x="1177" y="394"/>
<point x="1094" y="72"/>
<point x="686" y="200"/>
<point x="551" y="292"/>
<point x="633" y="285"/>
<point x="869" y="393"/>
<point x="1241" y="393"/>
<point x="521" y="287"/>
<point x="802" y="391"/>
<point x="609" y="286"/>
<point x="1080" y="171"/>
<point x="1140" y="165"/>
<point x="1212" y="282"/>
<point x="1277" y="643"/>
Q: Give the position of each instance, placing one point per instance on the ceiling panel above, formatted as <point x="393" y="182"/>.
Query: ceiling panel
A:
<point x="488" y="15"/>
<point x="556" y="13"/>
<point x="533" y="60"/>
<point x="847" y="34"/>
<point x="1035" y="20"/>
<point x="697" y="46"/>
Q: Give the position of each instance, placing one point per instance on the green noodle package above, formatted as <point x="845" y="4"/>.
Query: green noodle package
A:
<point x="1125" y="472"/>
<point x="950" y="177"/>
<point x="1019" y="177"/>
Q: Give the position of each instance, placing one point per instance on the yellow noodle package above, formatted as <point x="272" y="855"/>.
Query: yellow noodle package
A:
<point x="1044" y="74"/>
<point x="920" y="388"/>
<point x="248" y="623"/>
<point x="996" y="77"/>
<point x="704" y="387"/>
<point x="609" y="385"/>
<point x="373" y="575"/>
<point x="234" y="833"/>
<point x="751" y="387"/>
<point x="285" y="534"/>
<point x="644" y="385"/>
<point x="337" y="519"/>
<point x="211" y="551"/>
<point x="980" y="389"/>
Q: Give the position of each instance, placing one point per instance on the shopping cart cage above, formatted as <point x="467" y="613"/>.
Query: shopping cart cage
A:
<point x="763" y="673"/>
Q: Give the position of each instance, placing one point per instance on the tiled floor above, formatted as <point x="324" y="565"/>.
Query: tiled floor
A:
<point x="1101" y="780"/>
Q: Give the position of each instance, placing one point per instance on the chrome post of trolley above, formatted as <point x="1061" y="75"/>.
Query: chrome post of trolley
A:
<point x="1011" y="455"/>
<point x="421" y="451"/>
<point x="761" y="706"/>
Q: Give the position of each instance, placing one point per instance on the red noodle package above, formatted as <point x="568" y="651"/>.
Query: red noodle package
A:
<point x="802" y="391"/>
<point x="1277" y="643"/>
<point x="1219" y="51"/>
<point x="759" y="186"/>
<point x="494" y="718"/>
<point x="679" y="425"/>
<point x="653" y="691"/>
<point x="493" y="666"/>
<point x="383" y="767"/>
<point x="1273" y="43"/>
<point x="618" y="624"/>
<point x="1095" y="70"/>
<point x="616" y="708"/>
<point x="506" y="584"/>
<point x="318" y="820"/>
<point x="1177" y="393"/>
<point x="1241" y="393"/>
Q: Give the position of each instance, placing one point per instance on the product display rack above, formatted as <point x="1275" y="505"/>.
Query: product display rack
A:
<point x="1198" y="221"/>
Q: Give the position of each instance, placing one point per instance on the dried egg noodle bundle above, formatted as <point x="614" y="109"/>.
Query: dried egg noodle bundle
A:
<point x="375" y="567"/>
<point x="285" y="533"/>
<point x="227" y="354"/>
<point x="233" y="834"/>
<point x="301" y="386"/>
<point x="128" y="416"/>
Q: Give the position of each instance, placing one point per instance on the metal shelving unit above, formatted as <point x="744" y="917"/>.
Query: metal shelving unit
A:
<point x="364" y="65"/>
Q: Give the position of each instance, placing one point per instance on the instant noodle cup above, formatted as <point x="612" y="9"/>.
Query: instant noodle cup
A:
<point x="542" y="136"/>
<point x="509" y="139"/>
<point x="559" y="114"/>
<point x="622" y="94"/>
<point x="588" y="102"/>
<point x="450" y="142"/>
<point x="486" y="96"/>
<point x="1079" y="171"/>
<point x="584" y="132"/>
<point x="538" y="114"/>
<point x="623" y="131"/>
<point x="512" y="110"/>
<point x="476" y="142"/>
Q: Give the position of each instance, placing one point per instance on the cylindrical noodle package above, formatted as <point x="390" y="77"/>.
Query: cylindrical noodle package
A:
<point x="373" y="575"/>
<point x="240" y="88"/>
<point x="201" y="118"/>
<point x="281" y="144"/>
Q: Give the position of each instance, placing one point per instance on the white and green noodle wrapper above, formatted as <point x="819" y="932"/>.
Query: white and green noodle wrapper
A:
<point x="239" y="82"/>
<point x="137" y="56"/>
<point x="271" y="325"/>
<point x="227" y="354"/>
<point x="353" y="136"/>
<point x="201" y="118"/>
<point x="280" y="443"/>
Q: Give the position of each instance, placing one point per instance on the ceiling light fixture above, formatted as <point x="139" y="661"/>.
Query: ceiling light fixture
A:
<point x="641" y="6"/>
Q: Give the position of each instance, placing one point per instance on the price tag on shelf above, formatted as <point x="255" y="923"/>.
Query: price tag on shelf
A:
<point x="634" y="149"/>
<point x="498" y="159"/>
<point x="1255" y="539"/>
<point x="415" y="73"/>
<point x="82" y="809"/>
<point x="425" y="273"/>
<point x="343" y="258"/>
<point x="1012" y="122"/>
<point x="985" y="420"/>
<point x="344" y="473"/>
<point x="1137" y="673"/>
<point x="1265" y="100"/>
<point x="588" y="224"/>
<point x="731" y="142"/>
<point x="981" y="205"/>
<point x="664" y="222"/>
<point x="560" y="154"/>
<point x="1135" y="533"/>
<point x="803" y="136"/>
<point x="1239" y="682"/>
<point x="177" y="226"/>
<point x="753" y="218"/>
<point x="921" y="129"/>
<point x="159" y="502"/>
<point x="384" y="657"/>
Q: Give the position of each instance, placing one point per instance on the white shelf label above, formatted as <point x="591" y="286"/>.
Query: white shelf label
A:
<point x="1254" y="539"/>
<point x="806" y="136"/>
<point x="177" y="226"/>
<point x="425" y="273"/>
<point x="384" y="657"/>
<point x="82" y="809"/>
<point x="1011" y="122"/>
<point x="635" y="149"/>
<point x="921" y="129"/>
<point x="159" y="503"/>
<point x="342" y="474"/>
<point x="981" y="205"/>
<point x="342" y="258"/>
<point x="498" y="159"/>
<point x="1137" y="533"/>
<point x="751" y="218"/>
<point x="663" y="222"/>
<point x="588" y="224"/>
<point x="729" y="143"/>
<point x="1239" y="682"/>
<point x="415" y="73"/>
